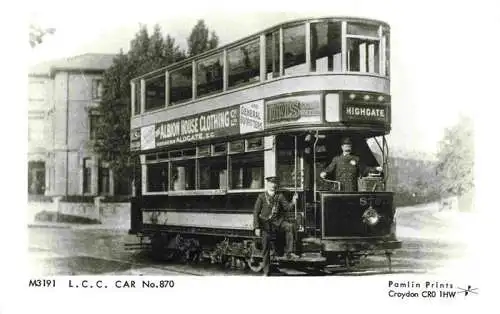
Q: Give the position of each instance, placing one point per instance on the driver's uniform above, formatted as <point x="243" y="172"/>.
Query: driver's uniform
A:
<point x="346" y="169"/>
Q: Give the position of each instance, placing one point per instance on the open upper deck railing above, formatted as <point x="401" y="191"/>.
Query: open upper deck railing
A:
<point x="304" y="47"/>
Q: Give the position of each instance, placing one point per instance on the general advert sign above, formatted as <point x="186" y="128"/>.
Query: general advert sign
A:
<point x="298" y="109"/>
<point x="218" y="123"/>
<point x="252" y="117"/>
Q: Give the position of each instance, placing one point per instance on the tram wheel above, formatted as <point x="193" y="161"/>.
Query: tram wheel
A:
<point x="255" y="265"/>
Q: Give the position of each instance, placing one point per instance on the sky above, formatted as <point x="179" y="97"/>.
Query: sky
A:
<point x="428" y="46"/>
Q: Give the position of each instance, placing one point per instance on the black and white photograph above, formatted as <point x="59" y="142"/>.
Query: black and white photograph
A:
<point x="330" y="144"/>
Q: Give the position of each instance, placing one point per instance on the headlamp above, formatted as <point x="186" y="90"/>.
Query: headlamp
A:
<point x="371" y="217"/>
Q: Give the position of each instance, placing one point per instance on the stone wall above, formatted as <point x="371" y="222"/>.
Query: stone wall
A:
<point x="115" y="215"/>
<point x="35" y="207"/>
<point x="87" y="210"/>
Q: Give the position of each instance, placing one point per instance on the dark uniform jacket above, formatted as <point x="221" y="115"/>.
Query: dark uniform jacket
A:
<point x="346" y="169"/>
<point x="263" y="209"/>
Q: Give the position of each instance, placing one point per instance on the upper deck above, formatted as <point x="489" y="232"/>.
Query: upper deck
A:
<point x="320" y="65"/>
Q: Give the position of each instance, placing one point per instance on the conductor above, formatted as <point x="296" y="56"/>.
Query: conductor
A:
<point x="269" y="216"/>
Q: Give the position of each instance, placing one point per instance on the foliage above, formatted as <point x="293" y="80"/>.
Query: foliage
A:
<point x="456" y="158"/>
<point x="37" y="33"/>
<point x="147" y="53"/>
<point x="199" y="40"/>
<point x="412" y="180"/>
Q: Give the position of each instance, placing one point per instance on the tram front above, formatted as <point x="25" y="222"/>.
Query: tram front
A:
<point x="340" y="171"/>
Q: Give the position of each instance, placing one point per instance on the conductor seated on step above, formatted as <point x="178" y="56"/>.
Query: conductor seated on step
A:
<point x="269" y="217"/>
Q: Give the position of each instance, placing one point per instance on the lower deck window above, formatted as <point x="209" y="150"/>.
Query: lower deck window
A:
<point x="286" y="169"/>
<point x="213" y="173"/>
<point x="182" y="175"/>
<point x="157" y="177"/>
<point x="247" y="171"/>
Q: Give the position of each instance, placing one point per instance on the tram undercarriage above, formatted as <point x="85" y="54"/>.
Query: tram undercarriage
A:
<point x="244" y="253"/>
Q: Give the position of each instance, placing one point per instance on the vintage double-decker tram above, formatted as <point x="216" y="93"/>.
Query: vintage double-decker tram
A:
<point x="209" y="129"/>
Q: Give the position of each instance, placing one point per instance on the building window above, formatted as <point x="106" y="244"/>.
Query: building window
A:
<point x="294" y="50"/>
<point x="94" y="123"/>
<point x="326" y="47"/>
<point x="209" y="76"/>
<point x="36" y="177"/>
<point x="97" y="89"/>
<point x="155" y="93"/>
<point x="37" y="91"/>
<point x="181" y="85"/>
<point x="87" y="176"/>
<point x="244" y="64"/>
<point x="35" y="130"/>
<point x="104" y="187"/>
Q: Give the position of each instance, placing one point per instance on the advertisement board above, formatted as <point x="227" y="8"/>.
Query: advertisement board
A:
<point x="293" y="110"/>
<point x="252" y="117"/>
<point x="212" y="124"/>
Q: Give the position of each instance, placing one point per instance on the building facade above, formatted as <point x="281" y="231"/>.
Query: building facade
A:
<point x="64" y="97"/>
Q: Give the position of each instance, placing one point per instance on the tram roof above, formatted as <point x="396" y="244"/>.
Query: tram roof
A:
<point x="244" y="39"/>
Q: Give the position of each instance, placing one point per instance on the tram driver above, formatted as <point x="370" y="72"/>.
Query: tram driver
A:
<point x="347" y="168"/>
<point x="269" y="216"/>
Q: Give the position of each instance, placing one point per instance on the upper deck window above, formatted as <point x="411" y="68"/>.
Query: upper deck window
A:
<point x="363" y="48"/>
<point x="362" y="29"/>
<point x="244" y="64"/>
<point x="273" y="55"/>
<point x="181" y="85"/>
<point x="155" y="93"/>
<point x="137" y="97"/>
<point x="386" y="41"/>
<point x="363" y="55"/>
<point x="294" y="50"/>
<point x="326" y="47"/>
<point x="209" y="75"/>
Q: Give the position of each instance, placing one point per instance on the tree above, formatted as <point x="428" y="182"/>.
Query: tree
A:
<point x="37" y="33"/>
<point x="147" y="53"/>
<point x="199" y="40"/>
<point x="456" y="158"/>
